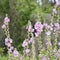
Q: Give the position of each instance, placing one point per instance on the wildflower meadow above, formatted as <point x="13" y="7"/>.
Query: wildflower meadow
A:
<point x="41" y="36"/>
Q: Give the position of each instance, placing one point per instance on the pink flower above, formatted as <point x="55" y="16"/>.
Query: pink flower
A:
<point x="3" y="26"/>
<point x="6" y="20"/>
<point x="58" y="3"/>
<point x="48" y="26"/>
<point x="39" y="28"/>
<point x="37" y="34"/>
<point x="6" y="41"/>
<point x="27" y="51"/>
<point x="15" y="53"/>
<point x="48" y="33"/>
<point x="10" y="40"/>
<point x="8" y="44"/>
<point x="32" y="30"/>
<point x="25" y="43"/>
<point x="59" y="43"/>
<point x="44" y="58"/>
<point x="56" y="24"/>
<point x="54" y="11"/>
<point x="11" y="49"/>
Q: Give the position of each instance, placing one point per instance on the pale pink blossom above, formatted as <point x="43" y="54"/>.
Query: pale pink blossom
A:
<point x="59" y="43"/>
<point x="37" y="34"/>
<point x="39" y="28"/>
<point x="25" y="43"/>
<point x="58" y="3"/>
<point x="6" y="20"/>
<point x="48" y="26"/>
<point x="8" y="44"/>
<point x="15" y="53"/>
<point x="44" y="58"/>
<point x="27" y="51"/>
<point x="10" y="40"/>
<point x="56" y="24"/>
<point x="6" y="40"/>
<point x="12" y="47"/>
<point x="3" y="26"/>
<point x="54" y="11"/>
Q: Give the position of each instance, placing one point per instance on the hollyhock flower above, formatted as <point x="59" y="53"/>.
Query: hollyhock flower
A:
<point x="32" y="30"/>
<point x="44" y="58"/>
<point x="6" y="40"/>
<point x="25" y="43"/>
<point x="6" y="20"/>
<point x="37" y="34"/>
<point x="12" y="47"/>
<point x="3" y="26"/>
<point x="58" y="3"/>
<point x="59" y="43"/>
<point x="48" y="33"/>
<point x="10" y="40"/>
<point x="27" y="51"/>
<point x="54" y="11"/>
<point x="56" y="24"/>
<point x="30" y="41"/>
<point x="38" y="27"/>
<point x="15" y="53"/>
<point x="8" y="44"/>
